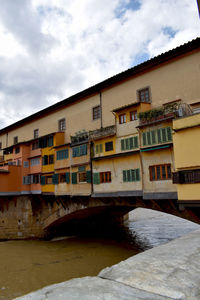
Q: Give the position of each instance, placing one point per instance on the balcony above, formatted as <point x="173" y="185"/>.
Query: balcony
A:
<point x="102" y="132"/>
<point x="80" y="138"/>
<point x="164" y="113"/>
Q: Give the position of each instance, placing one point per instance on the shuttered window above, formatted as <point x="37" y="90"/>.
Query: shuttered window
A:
<point x="188" y="176"/>
<point x="42" y="180"/>
<point x="96" y="178"/>
<point x="129" y="143"/>
<point x="131" y="175"/>
<point x="98" y="148"/>
<point x="55" y="178"/>
<point x="161" y="135"/>
<point x="67" y="177"/>
<point x="88" y="176"/>
<point x="74" y="178"/>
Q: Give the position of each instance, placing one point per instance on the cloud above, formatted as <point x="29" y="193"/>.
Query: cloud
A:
<point x="54" y="48"/>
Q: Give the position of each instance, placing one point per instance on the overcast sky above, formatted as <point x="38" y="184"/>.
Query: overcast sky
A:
<point x="52" y="49"/>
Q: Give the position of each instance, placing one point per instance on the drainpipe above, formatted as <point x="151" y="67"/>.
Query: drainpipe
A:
<point x="100" y="95"/>
<point x="91" y="167"/>
<point x="141" y="161"/>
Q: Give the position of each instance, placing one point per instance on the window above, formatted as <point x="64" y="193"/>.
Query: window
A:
<point x="35" y="179"/>
<point x="109" y="146"/>
<point x="0" y="145"/>
<point x="35" y="161"/>
<point x="144" y="95"/>
<point x="82" y="177"/>
<point x="160" y="172"/>
<point x="51" y="159"/>
<point x="62" y="154"/>
<point x="27" y="179"/>
<point x="17" y="150"/>
<point x="131" y="175"/>
<point x="15" y="140"/>
<point x="105" y="177"/>
<point x="161" y="135"/>
<point x="62" y="178"/>
<point x="96" y="112"/>
<point x="36" y="133"/>
<point x="26" y="164"/>
<point x="122" y="119"/>
<point x="61" y="125"/>
<point x="189" y="176"/>
<point x="49" y="180"/>
<point x="45" y="160"/>
<point x="35" y="145"/>
<point x="129" y="143"/>
<point x="50" y="141"/>
<point x="79" y="150"/>
<point x="98" y="148"/>
<point x="133" y="115"/>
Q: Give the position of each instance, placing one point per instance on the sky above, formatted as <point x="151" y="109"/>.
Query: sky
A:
<point x="52" y="49"/>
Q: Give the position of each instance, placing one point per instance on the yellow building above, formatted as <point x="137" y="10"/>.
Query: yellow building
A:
<point x="186" y="140"/>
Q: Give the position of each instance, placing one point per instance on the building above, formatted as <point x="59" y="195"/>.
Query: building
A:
<point x="112" y="139"/>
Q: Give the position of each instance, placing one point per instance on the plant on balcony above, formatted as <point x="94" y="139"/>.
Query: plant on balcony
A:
<point x="157" y="113"/>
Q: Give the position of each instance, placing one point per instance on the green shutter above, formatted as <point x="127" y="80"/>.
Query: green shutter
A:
<point x="67" y="176"/>
<point x="55" y="178"/>
<point x="144" y="138"/>
<point x="127" y="144"/>
<point x="125" y="176"/>
<point x="136" y="142"/>
<point x="96" y="178"/>
<point x="169" y="133"/>
<point x="131" y="143"/>
<point x="129" y="175"/>
<point x="164" y="135"/>
<point x="88" y="176"/>
<point x="137" y="172"/>
<point x="159" y="135"/>
<point x="148" y="138"/>
<point x="74" y="178"/>
<point x="132" y="175"/>
<point x="101" y="148"/>
<point x="97" y="149"/>
<point x="153" y="137"/>
<point x="42" y="180"/>
<point x="122" y="145"/>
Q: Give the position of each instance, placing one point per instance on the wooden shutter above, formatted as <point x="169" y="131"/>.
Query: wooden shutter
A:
<point x="42" y="180"/>
<point x="96" y="149"/>
<point x="148" y="138"/>
<point x="144" y="138"/>
<point x="55" y="178"/>
<point x="88" y="176"/>
<point x="136" y="142"/>
<point x="159" y="135"/>
<point x="96" y="178"/>
<point x="122" y="145"/>
<point x="131" y="143"/>
<point x="153" y="137"/>
<point x="164" y="135"/>
<point x="169" y="133"/>
<point x="176" y="177"/>
<point x="74" y="178"/>
<point x="124" y="176"/>
<point x="137" y="174"/>
<point x="129" y="175"/>
<point x="133" y="175"/>
<point x="127" y="144"/>
<point x="100" y="148"/>
<point x="67" y="176"/>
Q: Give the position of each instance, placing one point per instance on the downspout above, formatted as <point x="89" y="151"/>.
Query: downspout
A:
<point x="91" y="167"/>
<point x="100" y="95"/>
<point x="141" y="161"/>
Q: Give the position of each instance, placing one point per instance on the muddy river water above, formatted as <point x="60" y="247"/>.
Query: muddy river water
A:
<point x="29" y="265"/>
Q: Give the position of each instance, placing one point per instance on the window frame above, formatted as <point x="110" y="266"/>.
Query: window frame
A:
<point x="15" y="140"/>
<point x="153" y="172"/>
<point x="133" y="115"/>
<point x="122" y="118"/>
<point x="105" y="177"/>
<point x="62" y="124"/>
<point x="141" y="95"/>
<point x="96" y="112"/>
<point x="35" y="133"/>
<point x="109" y="146"/>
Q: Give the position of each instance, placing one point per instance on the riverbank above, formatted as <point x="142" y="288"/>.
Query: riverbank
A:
<point x="169" y="271"/>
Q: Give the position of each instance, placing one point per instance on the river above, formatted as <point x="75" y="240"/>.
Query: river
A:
<point x="29" y="265"/>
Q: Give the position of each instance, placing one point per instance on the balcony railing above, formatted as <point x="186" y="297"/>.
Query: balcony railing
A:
<point x="79" y="138"/>
<point x="102" y="132"/>
<point x="166" y="112"/>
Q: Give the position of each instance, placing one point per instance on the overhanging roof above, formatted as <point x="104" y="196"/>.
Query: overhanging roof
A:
<point x="145" y="66"/>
